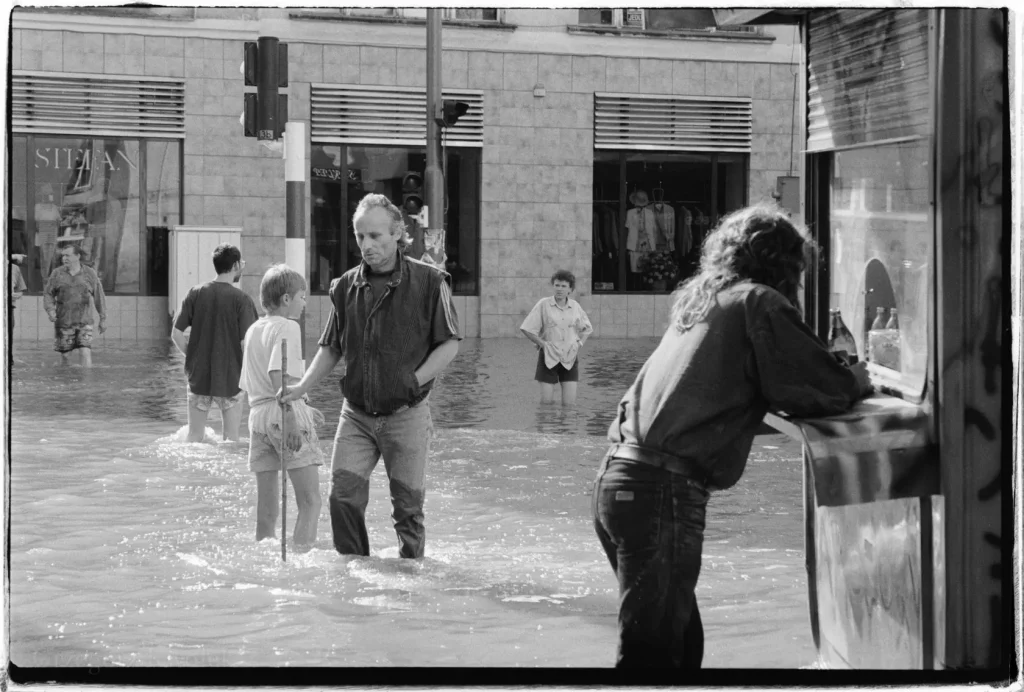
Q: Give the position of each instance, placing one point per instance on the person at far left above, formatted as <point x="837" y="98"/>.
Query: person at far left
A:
<point x="68" y="297"/>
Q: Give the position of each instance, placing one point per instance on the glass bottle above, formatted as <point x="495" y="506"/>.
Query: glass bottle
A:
<point x="840" y="340"/>
<point x="894" y="322"/>
<point x="879" y="322"/>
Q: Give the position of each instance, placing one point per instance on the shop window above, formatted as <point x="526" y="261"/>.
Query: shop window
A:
<point x="342" y="174"/>
<point x="881" y="240"/>
<point x="105" y="195"/>
<point x="652" y="211"/>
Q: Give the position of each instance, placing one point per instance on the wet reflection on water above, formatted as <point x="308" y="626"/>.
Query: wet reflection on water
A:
<point x="162" y="536"/>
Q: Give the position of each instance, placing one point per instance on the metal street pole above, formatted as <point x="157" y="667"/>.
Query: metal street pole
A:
<point x="295" y="207"/>
<point x="433" y="177"/>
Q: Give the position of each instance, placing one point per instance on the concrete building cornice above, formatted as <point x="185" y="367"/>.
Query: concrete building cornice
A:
<point x="526" y="40"/>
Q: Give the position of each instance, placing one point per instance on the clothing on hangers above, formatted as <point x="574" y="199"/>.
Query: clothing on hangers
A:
<point x="641" y="237"/>
<point x="665" y="220"/>
<point x="684" y="232"/>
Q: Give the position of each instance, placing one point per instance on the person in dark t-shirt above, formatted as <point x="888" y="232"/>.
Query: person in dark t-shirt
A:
<point x="219" y="314"/>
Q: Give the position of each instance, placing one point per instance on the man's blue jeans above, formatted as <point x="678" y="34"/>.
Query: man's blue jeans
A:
<point x="403" y="440"/>
<point x="651" y="524"/>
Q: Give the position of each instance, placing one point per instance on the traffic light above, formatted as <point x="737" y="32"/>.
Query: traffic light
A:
<point x="452" y="111"/>
<point x="265" y="66"/>
<point x="412" y="193"/>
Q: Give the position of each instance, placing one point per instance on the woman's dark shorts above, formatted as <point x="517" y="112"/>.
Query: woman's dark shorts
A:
<point x="557" y="374"/>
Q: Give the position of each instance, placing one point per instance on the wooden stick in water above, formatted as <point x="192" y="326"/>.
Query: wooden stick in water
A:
<point x="284" y="449"/>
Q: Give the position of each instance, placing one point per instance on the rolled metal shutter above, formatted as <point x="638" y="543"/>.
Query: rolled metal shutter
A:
<point x="388" y="116"/>
<point x="868" y="72"/>
<point x="97" y="105"/>
<point x="672" y="123"/>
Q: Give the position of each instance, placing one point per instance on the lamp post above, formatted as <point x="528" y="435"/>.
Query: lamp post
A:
<point x="433" y="235"/>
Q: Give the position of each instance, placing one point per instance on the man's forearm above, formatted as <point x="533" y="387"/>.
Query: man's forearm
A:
<point x="178" y="337"/>
<point x="437" y="360"/>
<point x="323" y="362"/>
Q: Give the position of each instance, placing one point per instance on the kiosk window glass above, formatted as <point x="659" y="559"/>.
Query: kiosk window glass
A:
<point x="881" y="249"/>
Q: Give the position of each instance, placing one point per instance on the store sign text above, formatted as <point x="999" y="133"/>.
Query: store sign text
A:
<point x="78" y="159"/>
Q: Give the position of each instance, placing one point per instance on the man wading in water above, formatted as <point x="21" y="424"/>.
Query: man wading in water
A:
<point x="393" y="322"/>
<point x="736" y="346"/>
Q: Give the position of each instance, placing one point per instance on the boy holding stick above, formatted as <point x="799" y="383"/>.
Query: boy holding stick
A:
<point x="274" y="431"/>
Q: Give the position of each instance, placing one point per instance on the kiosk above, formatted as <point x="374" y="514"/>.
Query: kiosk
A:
<point x="906" y="189"/>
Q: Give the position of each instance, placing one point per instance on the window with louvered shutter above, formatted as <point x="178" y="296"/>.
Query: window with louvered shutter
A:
<point x="97" y="105"/>
<point x="867" y="77"/>
<point x="396" y="116"/>
<point x="672" y="123"/>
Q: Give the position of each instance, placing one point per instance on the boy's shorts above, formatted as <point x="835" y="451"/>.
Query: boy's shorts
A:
<point x="265" y="454"/>
<point x="557" y="374"/>
<point x="69" y="338"/>
<point x="203" y="402"/>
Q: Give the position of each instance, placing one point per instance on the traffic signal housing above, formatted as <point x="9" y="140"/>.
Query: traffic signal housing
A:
<point x="412" y="193"/>
<point x="451" y="111"/>
<point x="265" y="66"/>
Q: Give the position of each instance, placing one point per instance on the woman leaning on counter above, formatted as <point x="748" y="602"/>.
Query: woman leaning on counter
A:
<point x="736" y="347"/>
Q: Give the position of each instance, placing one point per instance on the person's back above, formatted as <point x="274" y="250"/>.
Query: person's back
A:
<point x="707" y="389"/>
<point x="263" y="354"/>
<point x="219" y="315"/>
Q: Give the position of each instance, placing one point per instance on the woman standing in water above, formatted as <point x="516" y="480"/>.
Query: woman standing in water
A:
<point x="559" y="326"/>
<point x="736" y="346"/>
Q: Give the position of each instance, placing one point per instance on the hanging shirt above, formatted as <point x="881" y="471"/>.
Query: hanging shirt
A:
<point x="684" y="233"/>
<point x="665" y="221"/>
<point x="641" y="237"/>
<point x="564" y="328"/>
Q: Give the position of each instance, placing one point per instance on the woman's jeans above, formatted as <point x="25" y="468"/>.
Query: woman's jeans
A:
<point x="651" y="524"/>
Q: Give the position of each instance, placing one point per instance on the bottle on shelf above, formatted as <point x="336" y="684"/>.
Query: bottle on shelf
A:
<point x="894" y="322"/>
<point x="879" y="322"/>
<point x="840" y="340"/>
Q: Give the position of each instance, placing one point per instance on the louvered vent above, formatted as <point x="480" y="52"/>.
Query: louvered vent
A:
<point x="672" y="123"/>
<point x="350" y="114"/>
<point x="867" y="77"/>
<point x="95" y="105"/>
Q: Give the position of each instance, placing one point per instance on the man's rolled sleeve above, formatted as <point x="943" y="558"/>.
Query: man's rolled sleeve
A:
<point x="797" y="373"/>
<point x="445" y="321"/>
<point x="534" y="323"/>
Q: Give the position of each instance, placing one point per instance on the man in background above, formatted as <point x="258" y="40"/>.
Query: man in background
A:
<point x="68" y="297"/>
<point x="218" y="313"/>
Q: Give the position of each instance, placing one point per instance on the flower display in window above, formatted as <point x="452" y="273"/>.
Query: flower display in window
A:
<point x="658" y="267"/>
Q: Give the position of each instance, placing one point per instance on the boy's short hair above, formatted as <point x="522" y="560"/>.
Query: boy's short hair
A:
<point x="279" y="280"/>
<point x="224" y="257"/>
<point x="564" y="275"/>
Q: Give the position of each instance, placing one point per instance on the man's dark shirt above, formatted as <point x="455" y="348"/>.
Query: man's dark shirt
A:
<point x="219" y="314"/>
<point x="703" y="393"/>
<point x="384" y="339"/>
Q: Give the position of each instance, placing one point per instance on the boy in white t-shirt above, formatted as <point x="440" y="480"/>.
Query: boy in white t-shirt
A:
<point x="283" y="296"/>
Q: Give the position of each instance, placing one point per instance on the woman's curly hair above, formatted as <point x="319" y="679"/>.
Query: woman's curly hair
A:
<point x="758" y="243"/>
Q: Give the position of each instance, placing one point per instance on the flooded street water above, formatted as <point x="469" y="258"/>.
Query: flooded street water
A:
<point x="130" y="547"/>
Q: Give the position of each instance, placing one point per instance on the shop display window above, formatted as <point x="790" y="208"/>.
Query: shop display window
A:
<point x="114" y="198"/>
<point x="881" y="244"/>
<point x="342" y="174"/>
<point x="653" y="210"/>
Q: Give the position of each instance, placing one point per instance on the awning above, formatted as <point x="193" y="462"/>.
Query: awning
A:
<point x="771" y="15"/>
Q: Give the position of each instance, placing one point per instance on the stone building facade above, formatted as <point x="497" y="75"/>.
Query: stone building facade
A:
<point x="538" y="76"/>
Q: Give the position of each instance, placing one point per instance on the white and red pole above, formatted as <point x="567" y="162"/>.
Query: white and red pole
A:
<point x="295" y="206"/>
